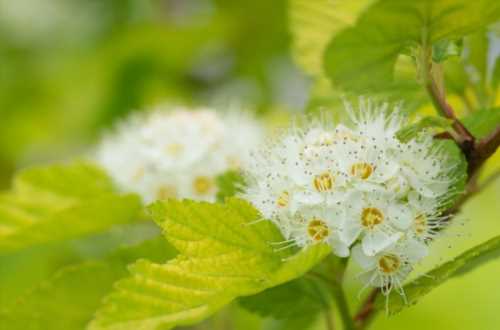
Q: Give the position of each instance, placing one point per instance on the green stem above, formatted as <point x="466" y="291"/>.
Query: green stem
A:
<point x="330" y="325"/>
<point x="343" y="308"/>
<point x="336" y="268"/>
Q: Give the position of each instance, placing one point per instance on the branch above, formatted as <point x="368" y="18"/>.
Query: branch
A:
<point x="483" y="150"/>
<point x="464" y="139"/>
<point x="367" y="310"/>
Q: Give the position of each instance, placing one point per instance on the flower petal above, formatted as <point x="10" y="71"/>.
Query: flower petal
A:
<point x="376" y="241"/>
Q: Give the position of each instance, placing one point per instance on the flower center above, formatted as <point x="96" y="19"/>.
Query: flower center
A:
<point x="317" y="229"/>
<point x="371" y="216"/>
<point x="283" y="199"/>
<point x="166" y="192"/>
<point x="323" y="182"/>
<point x="202" y="185"/>
<point x="420" y="224"/>
<point x="389" y="263"/>
<point x="361" y="170"/>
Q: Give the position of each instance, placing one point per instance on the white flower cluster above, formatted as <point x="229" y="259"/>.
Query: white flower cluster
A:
<point x="357" y="188"/>
<point x="176" y="152"/>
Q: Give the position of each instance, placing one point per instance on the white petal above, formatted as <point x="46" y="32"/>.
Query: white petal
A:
<point x="366" y="262"/>
<point x="376" y="241"/>
<point x="340" y="248"/>
<point x="415" y="250"/>
<point x="307" y="197"/>
<point x="400" y="216"/>
<point x="350" y="231"/>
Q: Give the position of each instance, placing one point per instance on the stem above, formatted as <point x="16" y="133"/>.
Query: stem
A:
<point x="465" y="137"/>
<point x="367" y="311"/>
<point x="330" y="325"/>
<point x="343" y="308"/>
<point x="483" y="150"/>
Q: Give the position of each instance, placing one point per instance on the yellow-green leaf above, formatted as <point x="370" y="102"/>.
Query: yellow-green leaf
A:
<point x="59" y="202"/>
<point x="225" y="253"/>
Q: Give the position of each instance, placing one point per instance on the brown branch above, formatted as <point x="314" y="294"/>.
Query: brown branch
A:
<point x="483" y="149"/>
<point x="465" y="138"/>
<point x="367" y="311"/>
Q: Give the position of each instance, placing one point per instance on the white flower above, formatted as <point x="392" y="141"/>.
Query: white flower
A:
<point x="177" y="152"/>
<point x="355" y="184"/>
<point x="389" y="268"/>
<point x="423" y="165"/>
<point x="316" y="225"/>
<point x="380" y="220"/>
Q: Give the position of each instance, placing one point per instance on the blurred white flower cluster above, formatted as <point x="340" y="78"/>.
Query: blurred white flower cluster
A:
<point x="177" y="152"/>
<point x="358" y="189"/>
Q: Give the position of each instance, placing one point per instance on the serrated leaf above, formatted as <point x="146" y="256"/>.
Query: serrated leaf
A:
<point x="313" y="23"/>
<point x="462" y="264"/>
<point x="68" y="299"/>
<point x="407" y="133"/>
<point x="363" y="57"/>
<point x="483" y="122"/>
<point x="228" y="185"/>
<point x="225" y="253"/>
<point x="60" y="202"/>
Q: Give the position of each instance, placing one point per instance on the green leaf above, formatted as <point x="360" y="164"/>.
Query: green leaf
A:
<point x="24" y="269"/>
<point x="228" y="185"/>
<point x="407" y="133"/>
<point x="69" y="298"/>
<point x="477" y="55"/>
<point x="313" y="23"/>
<point x="60" y="202"/>
<point x="225" y="253"/>
<point x="456" y="77"/>
<point x="444" y="49"/>
<point x="363" y="57"/>
<point x="301" y="322"/>
<point x="298" y="297"/>
<point x="462" y="264"/>
<point x="483" y="122"/>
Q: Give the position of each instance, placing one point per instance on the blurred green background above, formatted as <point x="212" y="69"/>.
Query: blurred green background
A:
<point x="70" y="68"/>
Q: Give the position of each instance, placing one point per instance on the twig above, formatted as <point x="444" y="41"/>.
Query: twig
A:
<point x="330" y="325"/>
<point x="464" y="139"/>
<point x="367" y="311"/>
<point x="483" y="150"/>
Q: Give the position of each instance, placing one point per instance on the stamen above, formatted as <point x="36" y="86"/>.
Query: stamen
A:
<point x="323" y="182"/>
<point x="283" y="199"/>
<point x="389" y="263"/>
<point x="371" y="217"/>
<point x="317" y="229"/>
<point x="361" y="170"/>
